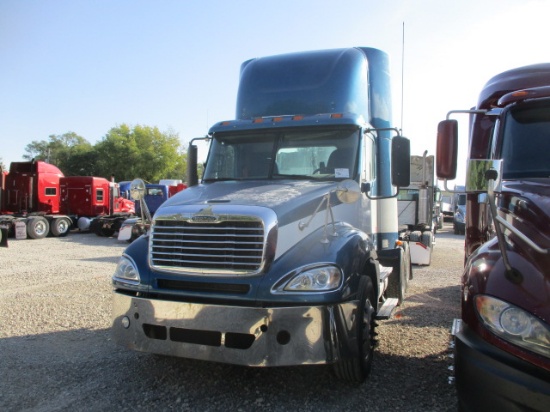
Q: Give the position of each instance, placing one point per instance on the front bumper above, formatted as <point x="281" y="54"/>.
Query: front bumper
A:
<point x="238" y="335"/>
<point x="488" y="378"/>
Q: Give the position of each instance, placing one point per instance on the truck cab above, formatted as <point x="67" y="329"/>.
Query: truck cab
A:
<point x="502" y="340"/>
<point x="287" y="249"/>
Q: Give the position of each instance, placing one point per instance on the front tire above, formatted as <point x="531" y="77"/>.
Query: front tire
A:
<point x="358" y="368"/>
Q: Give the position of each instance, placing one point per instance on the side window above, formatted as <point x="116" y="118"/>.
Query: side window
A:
<point x="51" y="191"/>
<point x="368" y="170"/>
<point x="99" y="196"/>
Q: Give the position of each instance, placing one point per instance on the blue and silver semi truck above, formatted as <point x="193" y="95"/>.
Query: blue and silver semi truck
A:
<point x="287" y="250"/>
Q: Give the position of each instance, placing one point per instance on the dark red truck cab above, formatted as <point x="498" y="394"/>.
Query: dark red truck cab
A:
<point x="502" y="341"/>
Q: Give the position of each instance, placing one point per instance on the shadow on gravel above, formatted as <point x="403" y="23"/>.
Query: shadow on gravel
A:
<point x="89" y="238"/>
<point x="85" y="370"/>
<point x="425" y="309"/>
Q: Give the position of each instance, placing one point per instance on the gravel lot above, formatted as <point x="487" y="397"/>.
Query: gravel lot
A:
<point x="56" y="353"/>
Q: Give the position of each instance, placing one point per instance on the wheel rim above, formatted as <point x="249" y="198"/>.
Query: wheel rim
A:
<point x="63" y="226"/>
<point x="40" y="228"/>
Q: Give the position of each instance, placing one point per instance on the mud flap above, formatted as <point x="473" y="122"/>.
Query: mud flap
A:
<point x="398" y="279"/>
<point x="420" y="253"/>
<point x="3" y="237"/>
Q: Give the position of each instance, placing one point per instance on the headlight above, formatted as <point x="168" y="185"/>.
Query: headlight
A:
<point x="126" y="271"/>
<point x="514" y="324"/>
<point x="317" y="279"/>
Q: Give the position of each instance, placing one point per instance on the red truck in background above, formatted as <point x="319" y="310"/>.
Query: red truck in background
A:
<point x="502" y="341"/>
<point x="96" y="203"/>
<point x="37" y="200"/>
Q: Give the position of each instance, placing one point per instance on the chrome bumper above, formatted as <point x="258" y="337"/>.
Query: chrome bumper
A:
<point x="232" y="334"/>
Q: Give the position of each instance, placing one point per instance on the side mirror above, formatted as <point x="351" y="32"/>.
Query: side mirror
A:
<point x="400" y="161"/>
<point x="348" y="191"/>
<point x="447" y="149"/>
<point x="137" y="189"/>
<point x="192" y="173"/>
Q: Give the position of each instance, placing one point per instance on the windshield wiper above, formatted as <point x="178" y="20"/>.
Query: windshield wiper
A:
<point x="293" y="176"/>
<point x="221" y="179"/>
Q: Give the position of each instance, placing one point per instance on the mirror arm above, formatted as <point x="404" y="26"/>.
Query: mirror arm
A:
<point x="192" y="172"/>
<point x="445" y="181"/>
<point x="366" y="189"/>
<point x="383" y="129"/>
<point x="465" y="111"/>
<point x="145" y="213"/>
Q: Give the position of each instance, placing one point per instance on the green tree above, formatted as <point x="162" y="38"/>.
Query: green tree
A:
<point x="66" y="151"/>
<point x="140" y="151"/>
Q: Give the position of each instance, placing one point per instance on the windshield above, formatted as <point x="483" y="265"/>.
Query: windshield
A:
<point x="303" y="154"/>
<point x="526" y="141"/>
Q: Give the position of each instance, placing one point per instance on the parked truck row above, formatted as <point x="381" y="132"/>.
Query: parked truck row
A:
<point x="38" y="200"/>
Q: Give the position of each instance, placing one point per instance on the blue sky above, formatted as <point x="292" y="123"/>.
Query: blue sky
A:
<point x="88" y="66"/>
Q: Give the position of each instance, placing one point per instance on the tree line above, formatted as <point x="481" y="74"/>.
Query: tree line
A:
<point x="125" y="152"/>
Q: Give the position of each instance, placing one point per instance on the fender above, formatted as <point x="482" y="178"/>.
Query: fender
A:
<point x="350" y="250"/>
<point x="485" y="273"/>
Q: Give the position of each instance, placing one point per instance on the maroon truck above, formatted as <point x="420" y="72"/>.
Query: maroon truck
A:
<point x="502" y="341"/>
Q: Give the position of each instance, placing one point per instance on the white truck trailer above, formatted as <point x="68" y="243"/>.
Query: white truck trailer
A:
<point x="417" y="216"/>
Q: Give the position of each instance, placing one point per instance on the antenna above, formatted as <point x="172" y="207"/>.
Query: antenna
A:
<point x="402" y="74"/>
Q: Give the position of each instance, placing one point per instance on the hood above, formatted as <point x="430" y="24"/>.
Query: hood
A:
<point x="530" y="200"/>
<point x="289" y="199"/>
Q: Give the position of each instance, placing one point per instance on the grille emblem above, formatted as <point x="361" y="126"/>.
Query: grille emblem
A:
<point x="204" y="219"/>
<point x="204" y="216"/>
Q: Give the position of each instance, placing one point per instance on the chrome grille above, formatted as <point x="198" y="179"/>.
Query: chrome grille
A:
<point x="228" y="246"/>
